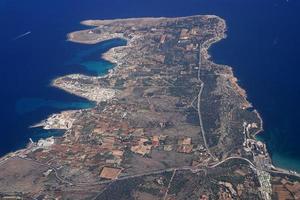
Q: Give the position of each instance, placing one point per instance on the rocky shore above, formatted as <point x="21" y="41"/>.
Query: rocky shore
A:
<point x="169" y="122"/>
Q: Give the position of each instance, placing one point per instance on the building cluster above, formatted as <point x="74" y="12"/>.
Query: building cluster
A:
<point x="85" y="87"/>
<point x="63" y="120"/>
<point x="256" y="148"/>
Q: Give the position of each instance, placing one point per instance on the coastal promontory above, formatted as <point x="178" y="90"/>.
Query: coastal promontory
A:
<point x="168" y="123"/>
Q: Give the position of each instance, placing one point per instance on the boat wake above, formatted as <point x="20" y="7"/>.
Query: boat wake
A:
<point x="22" y="35"/>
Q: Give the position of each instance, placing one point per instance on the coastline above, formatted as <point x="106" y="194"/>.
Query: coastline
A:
<point x="239" y="90"/>
<point x="147" y="98"/>
<point x="111" y="55"/>
<point x="70" y="83"/>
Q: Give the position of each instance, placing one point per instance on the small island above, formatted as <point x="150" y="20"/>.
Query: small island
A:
<point x="169" y="123"/>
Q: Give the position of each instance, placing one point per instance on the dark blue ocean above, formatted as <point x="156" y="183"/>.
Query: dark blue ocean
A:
<point x="262" y="46"/>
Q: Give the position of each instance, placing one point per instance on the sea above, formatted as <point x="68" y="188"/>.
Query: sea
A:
<point x="262" y="46"/>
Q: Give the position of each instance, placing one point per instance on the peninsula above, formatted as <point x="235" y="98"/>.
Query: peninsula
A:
<point x="169" y="123"/>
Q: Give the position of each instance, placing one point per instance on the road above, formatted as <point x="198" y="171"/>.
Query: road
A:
<point x="199" y="106"/>
<point x="232" y="158"/>
<point x="174" y="170"/>
<point x="49" y="166"/>
<point x="169" y="185"/>
<point x="194" y="169"/>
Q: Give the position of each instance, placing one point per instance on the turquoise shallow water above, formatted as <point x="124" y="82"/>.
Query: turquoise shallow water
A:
<point x="39" y="133"/>
<point x="98" y="67"/>
<point x="27" y="105"/>
<point x="90" y="60"/>
<point x="262" y="47"/>
<point x="37" y="99"/>
<point x="282" y="160"/>
<point x="285" y="161"/>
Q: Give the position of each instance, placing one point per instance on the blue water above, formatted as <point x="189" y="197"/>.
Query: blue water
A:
<point x="262" y="46"/>
<point x="28" y="105"/>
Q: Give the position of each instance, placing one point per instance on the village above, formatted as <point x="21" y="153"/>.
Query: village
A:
<point x="166" y="121"/>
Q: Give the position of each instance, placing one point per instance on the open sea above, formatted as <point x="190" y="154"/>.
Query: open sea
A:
<point x="262" y="46"/>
